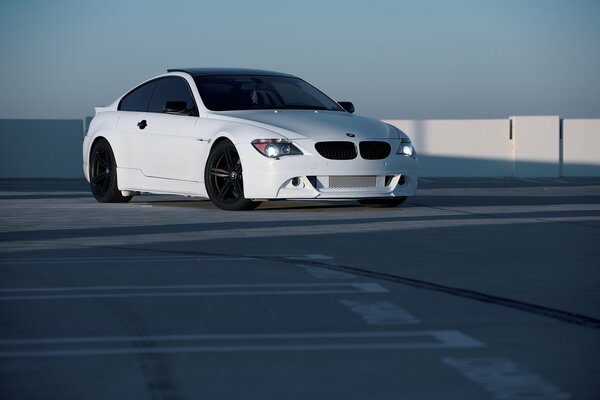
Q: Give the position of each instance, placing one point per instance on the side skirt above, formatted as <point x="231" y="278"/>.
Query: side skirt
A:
<point x="133" y="180"/>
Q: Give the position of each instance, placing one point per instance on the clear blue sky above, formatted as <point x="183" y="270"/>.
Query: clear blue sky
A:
<point x="393" y="59"/>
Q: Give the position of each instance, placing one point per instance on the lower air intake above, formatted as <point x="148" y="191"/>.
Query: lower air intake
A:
<point x="352" y="181"/>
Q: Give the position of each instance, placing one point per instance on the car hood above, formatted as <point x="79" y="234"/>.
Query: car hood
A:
<point x="320" y="125"/>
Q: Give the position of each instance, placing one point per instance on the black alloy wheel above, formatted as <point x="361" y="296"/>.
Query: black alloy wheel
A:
<point x="382" y="203"/>
<point x="224" y="179"/>
<point x="103" y="174"/>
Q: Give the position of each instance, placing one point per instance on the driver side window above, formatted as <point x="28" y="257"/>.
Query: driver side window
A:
<point x="172" y="89"/>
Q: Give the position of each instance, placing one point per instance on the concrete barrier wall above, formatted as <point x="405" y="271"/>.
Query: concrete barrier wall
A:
<point x="520" y="146"/>
<point x="581" y="147"/>
<point x="461" y="147"/>
<point x="536" y="144"/>
<point x="41" y="148"/>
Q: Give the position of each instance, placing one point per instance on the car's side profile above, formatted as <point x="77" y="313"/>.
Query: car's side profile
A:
<point x="240" y="136"/>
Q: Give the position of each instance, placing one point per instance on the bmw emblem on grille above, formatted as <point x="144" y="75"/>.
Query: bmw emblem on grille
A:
<point x="350" y="134"/>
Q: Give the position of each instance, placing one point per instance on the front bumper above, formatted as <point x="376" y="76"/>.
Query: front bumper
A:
<point x="311" y="176"/>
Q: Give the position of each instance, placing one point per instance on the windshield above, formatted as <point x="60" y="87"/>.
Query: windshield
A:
<point x="226" y="93"/>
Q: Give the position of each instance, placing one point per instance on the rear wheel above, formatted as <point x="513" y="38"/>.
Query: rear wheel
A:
<point x="224" y="179"/>
<point x="382" y="203"/>
<point x="103" y="175"/>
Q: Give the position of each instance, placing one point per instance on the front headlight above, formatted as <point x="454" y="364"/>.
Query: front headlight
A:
<point x="406" y="148"/>
<point x="275" y="148"/>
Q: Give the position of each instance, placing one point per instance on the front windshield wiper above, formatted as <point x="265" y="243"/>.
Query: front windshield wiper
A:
<point x="293" y="107"/>
<point x="288" y="107"/>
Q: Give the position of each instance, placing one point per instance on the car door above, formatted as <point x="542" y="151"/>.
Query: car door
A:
<point x="132" y="108"/>
<point x="166" y="145"/>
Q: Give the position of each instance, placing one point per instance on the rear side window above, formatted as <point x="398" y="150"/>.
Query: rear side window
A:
<point x="171" y="89"/>
<point x="138" y="99"/>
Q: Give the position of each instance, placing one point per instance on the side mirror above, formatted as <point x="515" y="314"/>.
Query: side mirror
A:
<point x="346" y="105"/>
<point x="176" y="107"/>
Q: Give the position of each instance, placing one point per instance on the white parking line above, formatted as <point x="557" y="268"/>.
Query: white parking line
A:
<point x="505" y="379"/>
<point x="154" y="258"/>
<point x="125" y="259"/>
<point x="441" y="339"/>
<point x="315" y="257"/>
<point x="322" y="273"/>
<point x="380" y="312"/>
<point x="358" y="228"/>
<point x="276" y="289"/>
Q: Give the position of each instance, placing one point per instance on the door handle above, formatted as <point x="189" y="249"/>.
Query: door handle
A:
<point x="142" y="124"/>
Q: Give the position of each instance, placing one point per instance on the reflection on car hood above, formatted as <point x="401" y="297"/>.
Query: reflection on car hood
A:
<point x="321" y="125"/>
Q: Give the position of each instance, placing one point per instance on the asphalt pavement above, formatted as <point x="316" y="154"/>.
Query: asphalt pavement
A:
<point x="473" y="289"/>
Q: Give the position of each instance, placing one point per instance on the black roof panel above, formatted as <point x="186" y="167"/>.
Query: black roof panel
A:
<point x="227" y="71"/>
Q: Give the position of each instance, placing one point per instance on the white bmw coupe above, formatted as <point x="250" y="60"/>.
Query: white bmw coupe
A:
<point x="241" y="136"/>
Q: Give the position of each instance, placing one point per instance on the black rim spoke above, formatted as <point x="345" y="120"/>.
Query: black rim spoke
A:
<point x="99" y="179"/>
<point x="229" y="159"/>
<point x="225" y="189"/>
<point x="105" y="185"/>
<point x="101" y="158"/>
<point x="237" y="186"/>
<point x="220" y="173"/>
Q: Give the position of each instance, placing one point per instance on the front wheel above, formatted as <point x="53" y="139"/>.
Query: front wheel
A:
<point x="224" y="179"/>
<point x="382" y="203"/>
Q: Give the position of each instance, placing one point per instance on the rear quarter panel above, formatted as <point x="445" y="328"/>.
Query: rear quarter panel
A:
<point x="104" y="125"/>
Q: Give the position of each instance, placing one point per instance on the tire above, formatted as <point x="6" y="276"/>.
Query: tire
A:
<point x="224" y="179"/>
<point x="103" y="175"/>
<point x="382" y="203"/>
